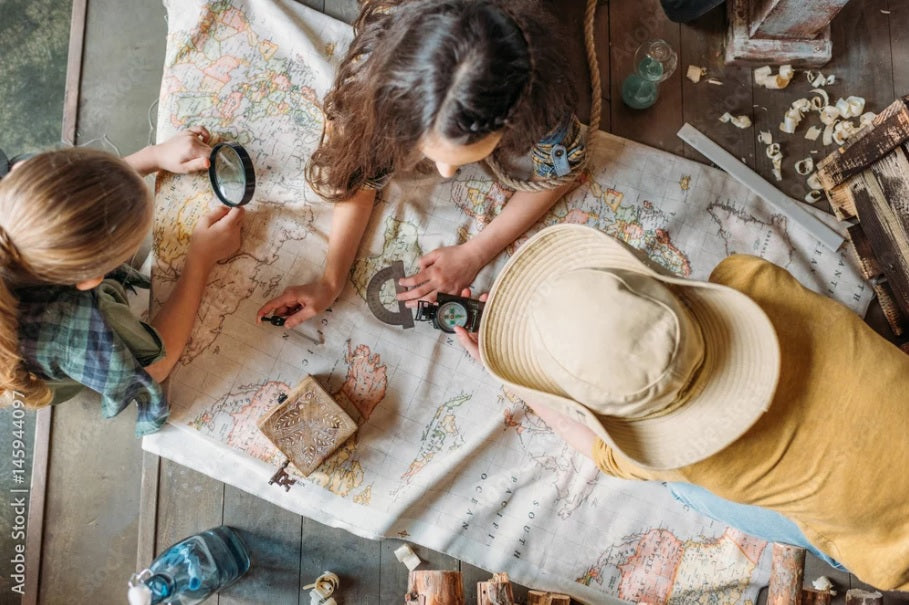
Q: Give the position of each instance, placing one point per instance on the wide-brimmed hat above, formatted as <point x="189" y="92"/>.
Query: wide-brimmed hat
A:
<point x="666" y="370"/>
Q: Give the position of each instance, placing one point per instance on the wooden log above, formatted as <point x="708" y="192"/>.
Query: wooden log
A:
<point x="885" y="298"/>
<point x="892" y="173"/>
<point x="496" y="591"/>
<point x="840" y="198"/>
<point x="816" y="597"/>
<point x="434" y="588"/>
<point x="861" y="251"/>
<point x="535" y="597"/>
<point x="787" y="572"/>
<point x="884" y="227"/>
<point x="857" y="596"/>
<point x="745" y="44"/>
<point x="889" y="129"/>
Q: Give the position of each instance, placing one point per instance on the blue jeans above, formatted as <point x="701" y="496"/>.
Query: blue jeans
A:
<point x="754" y="520"/>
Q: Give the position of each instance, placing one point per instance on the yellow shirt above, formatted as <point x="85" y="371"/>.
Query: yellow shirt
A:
<point x="832" y="451"/>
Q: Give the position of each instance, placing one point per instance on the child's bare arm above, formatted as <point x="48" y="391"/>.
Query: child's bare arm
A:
<point x="186" y="151"/>
<point x="451" y="268"/>
<point x="215" y="237"/>
<point x="300" y="303"/>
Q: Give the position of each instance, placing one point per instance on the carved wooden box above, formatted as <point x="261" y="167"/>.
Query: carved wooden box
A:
<point x="307" y="426"/>
<point x="867" y="183"/>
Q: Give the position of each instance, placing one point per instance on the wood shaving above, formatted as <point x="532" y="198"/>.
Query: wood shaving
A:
<point x="794" y="115"/>
<point x="829" y="115"/>
<point x="714" y="81"/>
<point x="814" y="195"/>
<point x="813" y="133"/>
<point x="850" y="107"/>
<point x="827" y="138"/>
<point x="763" y="76"/>
<point x="813" y="181"/>
<point x="817" y="79"/>
<point x="820" y="100"/>
<point x="695" y="73"/>
<point x="737" y="121"/>
<point x="823" y="583"/>
<point x="406" y="555"/>
<point x="842" y="130"/>
<point x="805" y="166"/>
<point x="765" y="137"/>
<point x="776" y="159"/>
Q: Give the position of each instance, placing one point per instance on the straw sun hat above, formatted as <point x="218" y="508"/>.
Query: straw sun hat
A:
<point x="666" y="370"/>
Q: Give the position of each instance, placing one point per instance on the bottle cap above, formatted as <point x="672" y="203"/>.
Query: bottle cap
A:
<point x="139" y="594"/>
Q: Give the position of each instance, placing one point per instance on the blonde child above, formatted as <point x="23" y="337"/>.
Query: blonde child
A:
<point x="69" y="221"/>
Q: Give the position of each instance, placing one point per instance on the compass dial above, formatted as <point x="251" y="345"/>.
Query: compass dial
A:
<point x="450" y="315"/>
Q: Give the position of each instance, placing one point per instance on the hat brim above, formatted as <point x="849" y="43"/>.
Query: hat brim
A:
<point x="741" y="365"/>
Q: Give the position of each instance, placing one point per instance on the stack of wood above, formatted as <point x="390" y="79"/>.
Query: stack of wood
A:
<point x="444" y="588"/>
<point x="787" y="574"/>
<point x="867" y="181"/>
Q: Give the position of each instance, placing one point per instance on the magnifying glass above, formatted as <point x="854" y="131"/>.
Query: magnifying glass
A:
<point x="231" y="173"/>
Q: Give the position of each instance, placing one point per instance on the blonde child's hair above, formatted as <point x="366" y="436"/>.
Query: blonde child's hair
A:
<point x="66" y="216"/>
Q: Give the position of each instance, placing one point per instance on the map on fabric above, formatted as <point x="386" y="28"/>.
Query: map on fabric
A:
<point x="443" y="457"/>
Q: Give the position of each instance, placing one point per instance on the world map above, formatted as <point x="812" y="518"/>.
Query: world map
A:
<point x="443" y="456"/>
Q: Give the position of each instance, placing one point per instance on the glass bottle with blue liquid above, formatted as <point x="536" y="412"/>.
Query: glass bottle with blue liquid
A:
<point x="191" y="570"/>
<point x="654" y="61"/>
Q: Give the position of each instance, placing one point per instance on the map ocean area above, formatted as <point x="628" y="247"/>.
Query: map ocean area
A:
<point x="443" y="456"/>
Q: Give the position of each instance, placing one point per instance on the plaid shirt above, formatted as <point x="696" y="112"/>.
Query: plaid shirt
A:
<point x="63" y="334"/>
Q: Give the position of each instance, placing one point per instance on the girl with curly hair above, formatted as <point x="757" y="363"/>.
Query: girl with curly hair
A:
<point x="452" y="82"/>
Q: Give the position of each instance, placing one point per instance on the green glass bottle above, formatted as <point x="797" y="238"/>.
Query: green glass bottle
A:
<point x="654" y="62"/>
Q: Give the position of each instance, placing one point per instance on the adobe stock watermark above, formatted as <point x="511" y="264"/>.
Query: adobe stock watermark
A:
<point x="18" y="496"/>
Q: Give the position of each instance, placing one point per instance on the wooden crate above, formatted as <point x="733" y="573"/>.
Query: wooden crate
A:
<point x="867" y="183"/>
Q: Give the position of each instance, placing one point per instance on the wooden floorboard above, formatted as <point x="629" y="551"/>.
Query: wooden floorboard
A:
<point x="91" y="511"/>
<point x="630" y="25"/>
<point x="355" y="560"/>
<point x="701" y="45"/>
<point x="275" y="539"/>
<point x="289" y="552"/>
<point x="188" y="502"/>
<point x="898" y="19"/>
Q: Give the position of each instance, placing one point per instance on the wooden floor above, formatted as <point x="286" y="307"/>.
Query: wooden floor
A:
<point x="95" y="472"/>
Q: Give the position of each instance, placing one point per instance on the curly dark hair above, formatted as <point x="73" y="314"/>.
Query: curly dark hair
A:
<point x="465" y="68"/>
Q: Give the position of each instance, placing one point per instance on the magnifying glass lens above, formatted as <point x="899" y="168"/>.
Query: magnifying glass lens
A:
<point x="231" y="174"/>
<point x="231" y="179"/>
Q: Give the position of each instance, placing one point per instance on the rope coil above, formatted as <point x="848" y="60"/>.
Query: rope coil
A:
<point x="595" y="111"/>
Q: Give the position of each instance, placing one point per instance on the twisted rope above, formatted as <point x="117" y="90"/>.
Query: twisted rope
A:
<point x="595" y="109"/>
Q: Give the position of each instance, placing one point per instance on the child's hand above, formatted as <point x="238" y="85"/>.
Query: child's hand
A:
<point x="447" y="269"/>
<point x="184" y="152"/>
<point x="217" y="235"/>
<point x="469" y="340"/>
<point x="299" y="303"/>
